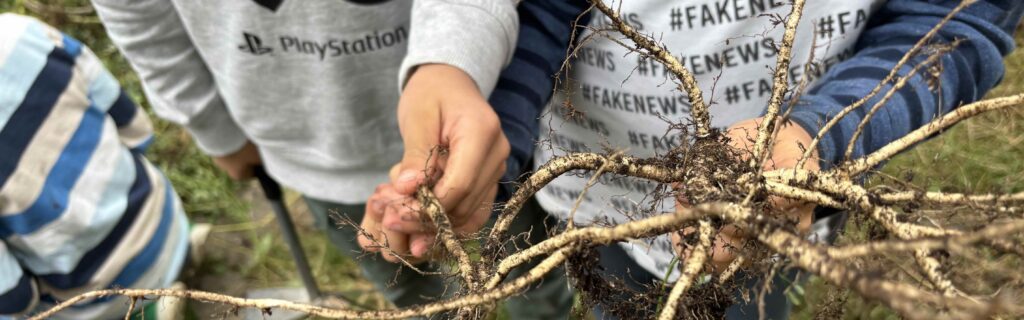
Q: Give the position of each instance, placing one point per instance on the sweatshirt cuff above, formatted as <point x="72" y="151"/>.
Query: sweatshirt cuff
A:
<point x="216" y="133"/>
<point x="475" y="36"/>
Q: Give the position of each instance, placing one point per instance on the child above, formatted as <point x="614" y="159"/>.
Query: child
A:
<point x="622" y="98"/>
<point x="308" y="90"/>
<point x="80" y="207"/>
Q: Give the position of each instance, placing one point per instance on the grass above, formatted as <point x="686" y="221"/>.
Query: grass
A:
<point x="981" y="155"/>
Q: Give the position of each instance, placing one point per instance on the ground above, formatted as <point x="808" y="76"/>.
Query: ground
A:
<point x="245" y="250"/>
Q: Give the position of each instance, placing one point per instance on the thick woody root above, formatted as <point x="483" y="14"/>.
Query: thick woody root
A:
<point x="903" y="298"/>
<point x="872" y="160"/>
<point x="780" y="85"/>
<point x="707" y="173"/>
<point x="961" y="240"/>
<point x="467" y="268"/>
<point x="703" y="168"/>
<point x="820" y="186"/>
<point x="430" y="204"/>
<point x="859" y="198"/>
<point x="825" y="188"/>
<point x="642" y="228"/>
<point x="900" y="297"/>
<point x="630" y="166"/>
<point x="483" y="298"/>
<point x="990" y="201"/>
<point x="692" y="267"/>
<point x="893" y="74"/>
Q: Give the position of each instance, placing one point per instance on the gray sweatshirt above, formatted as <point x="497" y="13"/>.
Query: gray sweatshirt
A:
<point x="313" y="83"/>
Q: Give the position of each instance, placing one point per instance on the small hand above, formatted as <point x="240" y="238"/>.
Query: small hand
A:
<point x="786" y="152"/>
<point x="406" y="218"/>
<point x="383" y="205"/>
<point x="441" y="106"/>
<point x="239" y="165"/>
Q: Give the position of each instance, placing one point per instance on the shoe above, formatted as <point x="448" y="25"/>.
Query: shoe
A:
<point x="197" y="240"/>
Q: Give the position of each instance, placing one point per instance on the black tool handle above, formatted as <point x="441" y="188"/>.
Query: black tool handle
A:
<point x="274" y="195"/>
<point x="270" y="187"/>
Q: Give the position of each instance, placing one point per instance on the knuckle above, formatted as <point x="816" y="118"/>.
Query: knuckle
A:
<point x="502" y="167"/>
<point x="490" y="120"/>
<point x="504" y="147"/>
<point x="489" y="126"/>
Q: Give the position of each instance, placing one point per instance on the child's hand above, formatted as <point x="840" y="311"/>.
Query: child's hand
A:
<point x="441" y="106"/>
<point x="451" y="136"/>
<point x="384" y="208"/>
<point x="239" y="165"/>
<point x="786" y="152"/>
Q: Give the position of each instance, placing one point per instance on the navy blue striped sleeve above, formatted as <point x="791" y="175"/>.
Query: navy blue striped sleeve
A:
<point x="525" y="85"/>
<point x="18" y="291"/>
<point x="20" y="298"/>
<point x="964" y="75"/>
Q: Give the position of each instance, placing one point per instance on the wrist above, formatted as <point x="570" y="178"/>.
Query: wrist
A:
<point x="443" y="79"/>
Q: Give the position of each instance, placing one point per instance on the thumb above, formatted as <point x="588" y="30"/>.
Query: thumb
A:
<point x="420" y="127"/>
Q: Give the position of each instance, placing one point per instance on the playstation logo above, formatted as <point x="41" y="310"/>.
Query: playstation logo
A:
<point x="254" y="45"/>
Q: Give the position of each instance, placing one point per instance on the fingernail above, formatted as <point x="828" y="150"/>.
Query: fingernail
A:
<point x="407" y="218"/>
<point x="377" y="206"/>
<point x="407" y="176"/>
<point x="394" y="227"/>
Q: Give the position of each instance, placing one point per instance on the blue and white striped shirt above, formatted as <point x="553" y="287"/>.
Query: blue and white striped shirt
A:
<point x="80" y="207"/>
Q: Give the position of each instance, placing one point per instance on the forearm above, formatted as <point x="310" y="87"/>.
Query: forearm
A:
<point x="176" y="80"/>
<point x="525" y="86"/>
<point x="960" y="76"/>
<point x="478" y="37"/>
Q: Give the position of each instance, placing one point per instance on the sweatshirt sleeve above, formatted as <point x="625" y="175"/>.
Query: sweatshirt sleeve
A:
<point x="961" y="76"/>
<point x="18" y="291"/>
<point x="175" y="78"/>
<point x="476" y="36"/>
<point x="525" y="86"/>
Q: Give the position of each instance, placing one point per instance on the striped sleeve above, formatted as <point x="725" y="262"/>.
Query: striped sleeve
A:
<point x="18" y="291"/>
<point x="80" y="207"/>
<point x="133" y="125"/>
<point x="525" y="86"/>
<point x="966" y="73"/>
